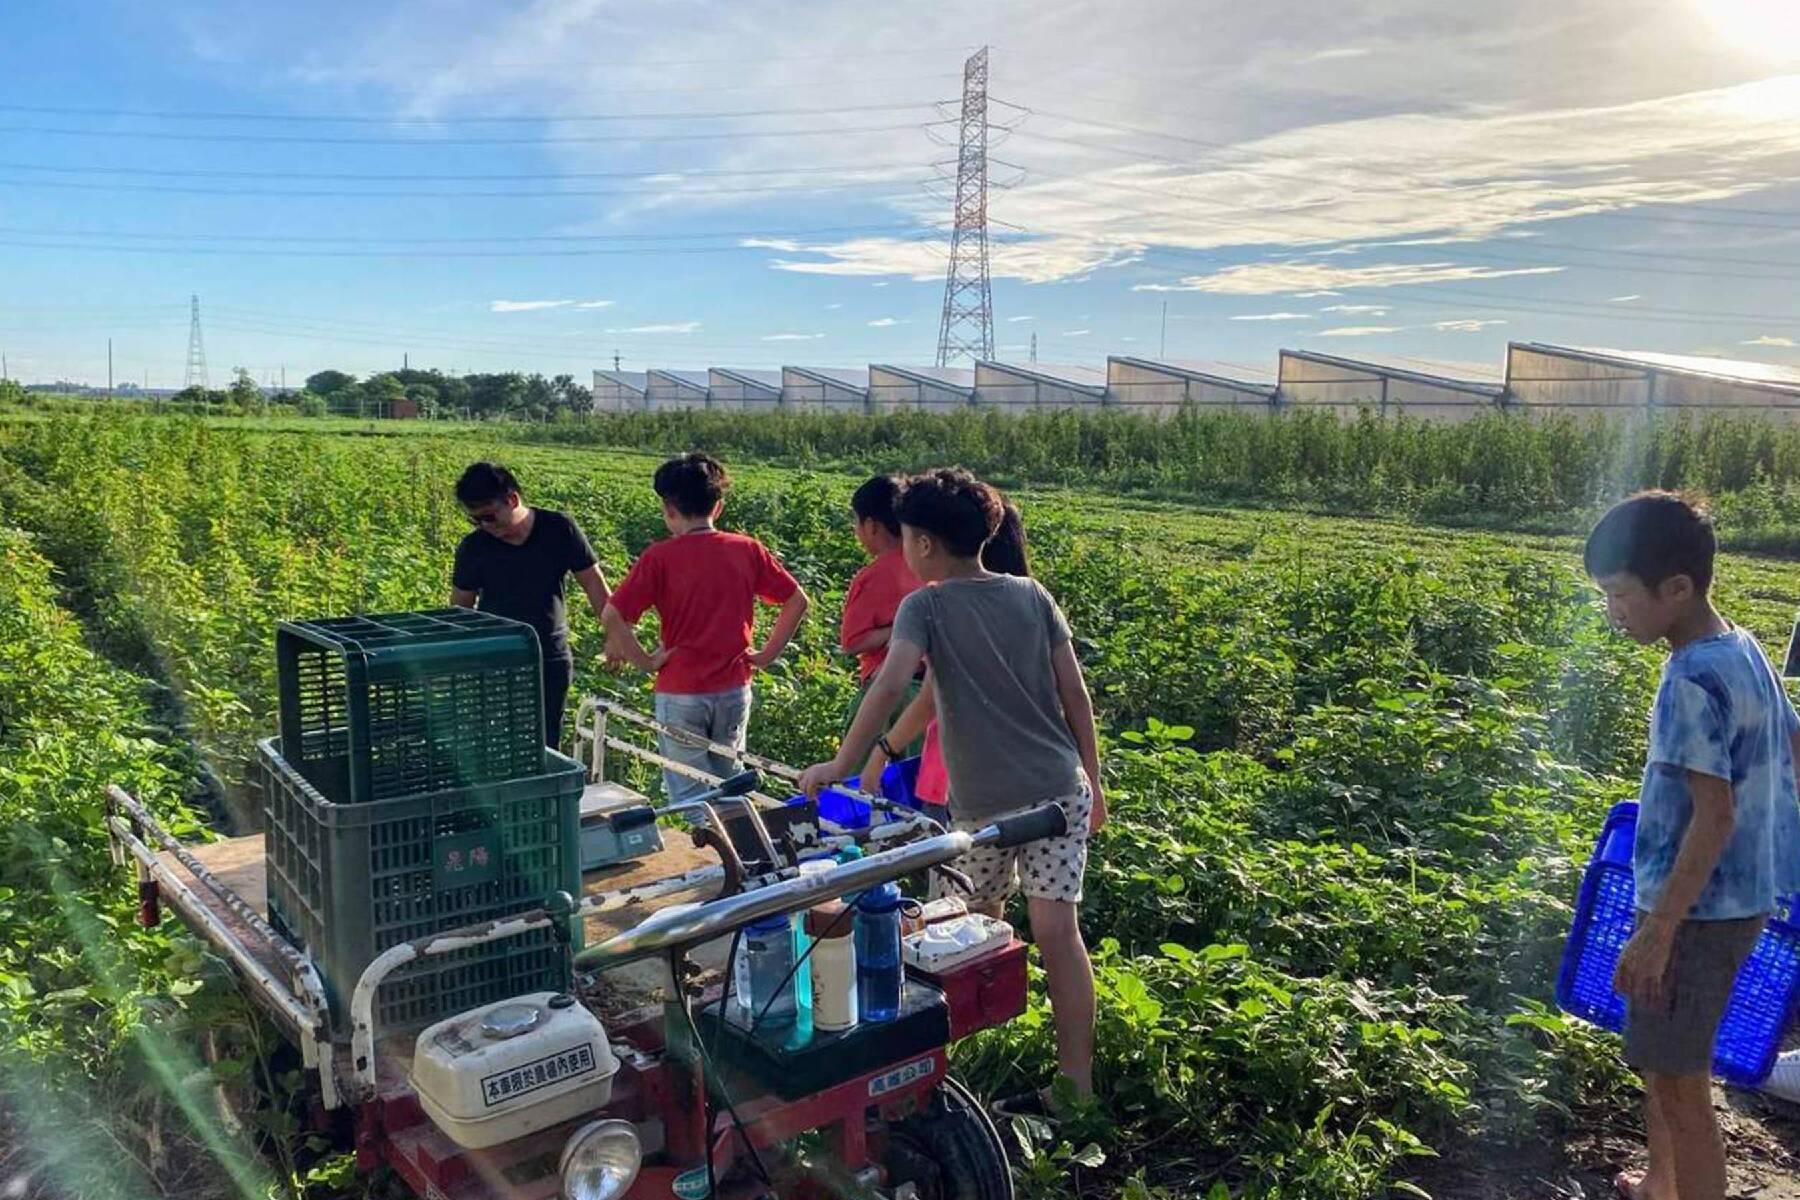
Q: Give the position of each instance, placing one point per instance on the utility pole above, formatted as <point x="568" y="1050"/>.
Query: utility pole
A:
<point x="967" y="327"/>
<point x="615" y="360"/>
<point x="1162" y="343"/>
<point x="405" y="361"/>
<point x="109" y="377"/>
<point x="1034" y="347"/>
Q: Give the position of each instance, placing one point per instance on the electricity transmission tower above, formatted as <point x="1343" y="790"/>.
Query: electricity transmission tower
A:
<point x="196" y="356"/>
<point x="967" y="330"/>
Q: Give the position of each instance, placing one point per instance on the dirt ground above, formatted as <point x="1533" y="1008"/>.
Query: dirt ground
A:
<point x="1762" y="1137"/>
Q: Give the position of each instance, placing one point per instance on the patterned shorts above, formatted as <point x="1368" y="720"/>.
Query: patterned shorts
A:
<point x="1048" y="869"/>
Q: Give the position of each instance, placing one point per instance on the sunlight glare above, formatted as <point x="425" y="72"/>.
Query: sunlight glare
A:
<point x="1767" y="28"/>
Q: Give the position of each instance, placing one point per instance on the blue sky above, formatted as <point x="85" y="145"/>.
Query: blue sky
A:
<point x="493" y="186"/>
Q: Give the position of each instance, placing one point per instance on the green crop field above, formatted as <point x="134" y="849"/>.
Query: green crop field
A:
<point x="1355" y="764"/>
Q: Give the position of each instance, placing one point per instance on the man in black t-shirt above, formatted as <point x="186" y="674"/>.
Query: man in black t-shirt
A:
<point x="512" y="565"/>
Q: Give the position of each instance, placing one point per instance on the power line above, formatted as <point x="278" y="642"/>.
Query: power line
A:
<point x="669" y="173"/>
<point x="1265" y="168"/>
<point x="514" y="194"/>
<point x="1403" y="295"/>
<point x="1612" y="208"/>
<point x="388" y="67"/>
<point x="576" y="139"/>
<point x="910" y="227"/>
<point x="417" y="252"/>
<point x="150" y="114"/>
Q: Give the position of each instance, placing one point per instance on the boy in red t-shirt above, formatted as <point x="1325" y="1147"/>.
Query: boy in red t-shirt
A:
<point x="704" y="585"/>
<point x="876" y="591"/>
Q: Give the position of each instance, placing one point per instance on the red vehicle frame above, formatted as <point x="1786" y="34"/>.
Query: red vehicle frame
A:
<point x="896" y="1129"/>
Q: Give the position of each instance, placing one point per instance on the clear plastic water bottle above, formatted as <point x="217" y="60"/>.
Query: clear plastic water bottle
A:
<point x="803" y="980"/>
<point x="878" y="969"/>
<point x="764" y="973"/>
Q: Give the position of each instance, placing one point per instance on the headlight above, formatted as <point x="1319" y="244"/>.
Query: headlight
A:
<point x="600" y="1161"/>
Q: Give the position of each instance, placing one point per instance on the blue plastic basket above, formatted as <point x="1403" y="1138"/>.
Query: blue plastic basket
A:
<point x="899" y="781"/>
<point x="840" y="805"/>
<point x="1605" y="914"/>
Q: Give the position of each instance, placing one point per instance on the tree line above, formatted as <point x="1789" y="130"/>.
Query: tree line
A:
<point x="405" y="393"/>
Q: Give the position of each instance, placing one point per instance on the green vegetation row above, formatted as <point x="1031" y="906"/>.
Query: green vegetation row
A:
<point x="1544" y="472"/>
<point x="100" y="1020"/>
<point x="1355" y="764"/>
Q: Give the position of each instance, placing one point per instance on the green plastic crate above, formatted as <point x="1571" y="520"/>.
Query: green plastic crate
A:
<point x="394" y="704"/>
<point x="347" y="881"/>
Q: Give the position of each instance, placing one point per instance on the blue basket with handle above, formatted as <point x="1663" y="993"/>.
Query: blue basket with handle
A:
<point x="1605" y="915"/>
<point x="840" y="805"/>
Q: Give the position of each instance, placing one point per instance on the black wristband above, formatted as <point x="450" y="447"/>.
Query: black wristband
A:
<point x="887" y="748"/>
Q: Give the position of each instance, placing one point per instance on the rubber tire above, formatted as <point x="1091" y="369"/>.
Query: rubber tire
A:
<point x="951" y="1150"/>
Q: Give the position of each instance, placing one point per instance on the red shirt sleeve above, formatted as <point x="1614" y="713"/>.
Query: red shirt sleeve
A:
<point x="641" y="588"/>
<point x="773" y="583"/>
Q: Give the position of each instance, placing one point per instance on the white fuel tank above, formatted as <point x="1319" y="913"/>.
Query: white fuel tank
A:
<point x="513" y="1068"/>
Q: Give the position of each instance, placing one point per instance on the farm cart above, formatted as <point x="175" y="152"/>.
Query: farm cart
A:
<point x="638" y="1078"/>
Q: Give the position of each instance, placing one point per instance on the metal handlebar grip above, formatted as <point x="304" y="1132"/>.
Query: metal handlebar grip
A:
<point x="1044" y="821"/>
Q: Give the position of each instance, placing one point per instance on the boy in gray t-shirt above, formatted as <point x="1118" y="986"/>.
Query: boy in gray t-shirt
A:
<point x="1016" y="724"/>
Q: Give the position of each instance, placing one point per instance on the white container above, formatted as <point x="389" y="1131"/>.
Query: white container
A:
<point x="938" y="948"/>
<point x="1784" y="1077"/>
<point x="829" y="927"/>
<point x="513" y="1068"/>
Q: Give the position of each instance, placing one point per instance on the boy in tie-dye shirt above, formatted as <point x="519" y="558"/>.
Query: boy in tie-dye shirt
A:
<point x="1718" y="832"/>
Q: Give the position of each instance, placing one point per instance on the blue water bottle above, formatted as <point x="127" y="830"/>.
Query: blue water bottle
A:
<point x="878" y="969"/>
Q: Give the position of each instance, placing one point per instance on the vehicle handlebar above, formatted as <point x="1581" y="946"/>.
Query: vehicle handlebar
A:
<point x="680" y="928"/>
<point x="1044" y="821"/>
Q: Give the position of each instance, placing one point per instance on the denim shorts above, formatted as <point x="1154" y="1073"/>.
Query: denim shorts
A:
<point x="719" y="717"/>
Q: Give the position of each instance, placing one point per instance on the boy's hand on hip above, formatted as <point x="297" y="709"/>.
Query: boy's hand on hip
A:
<point x="762" y="659"/>
<point x="1097" y="814"/>
<point x="658" y="657"/>
<point x="1644" y="963"/>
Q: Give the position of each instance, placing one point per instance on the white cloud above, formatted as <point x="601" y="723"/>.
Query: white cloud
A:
<point x="834" y="306"/>
<point x="666" y="327"/>
<point x="1274" y="316"/>
<point x="1024" y="318"/>
<point x="886" y="322"/>
<point x="792" y="337"/>
<point x="1360" y="330"/>
<point x="1366" y="310"/>
<point x="1499" y="117"/>
<point x="1076" y="332"/>
<point x="1464" y="326"/>
<point x="594" y="303"/>
<point x="526" y="305"/>
<point x="1624" y="299"/>
<point x="1046" y="260"/>
<point x="1440" y="172"/>
<point x="1271" y="278"/>
<point x="1311" y="295"/>
<point x="1768" y="339"/>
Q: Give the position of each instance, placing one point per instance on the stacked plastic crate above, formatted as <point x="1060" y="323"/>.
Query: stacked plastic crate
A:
<point x="411" y="792"/>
